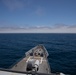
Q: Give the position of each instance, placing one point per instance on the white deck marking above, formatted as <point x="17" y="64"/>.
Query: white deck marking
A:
<point x="28" y="59"/>
<point x="41" y="60"/>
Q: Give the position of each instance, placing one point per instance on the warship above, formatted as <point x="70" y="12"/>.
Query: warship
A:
<point x="34" y="62"/>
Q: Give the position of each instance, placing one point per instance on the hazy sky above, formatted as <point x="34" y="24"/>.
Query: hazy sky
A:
<point x="38" y="16"/>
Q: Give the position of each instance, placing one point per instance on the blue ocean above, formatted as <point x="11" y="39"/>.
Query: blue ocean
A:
<point x="61" y="48"/>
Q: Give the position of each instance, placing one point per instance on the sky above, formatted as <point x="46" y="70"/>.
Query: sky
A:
<point x="37" y="16"/>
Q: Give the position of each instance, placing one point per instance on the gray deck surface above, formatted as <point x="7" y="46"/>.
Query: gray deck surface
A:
<point x="37" y="51"/>
<point x="21" y="66"/>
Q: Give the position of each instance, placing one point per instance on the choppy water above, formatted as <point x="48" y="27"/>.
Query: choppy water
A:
<point x="61" y="48"/>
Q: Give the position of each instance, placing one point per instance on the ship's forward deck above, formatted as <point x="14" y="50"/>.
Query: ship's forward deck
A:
<point x="37" y="57"/>
<point x="21" y="66"/>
